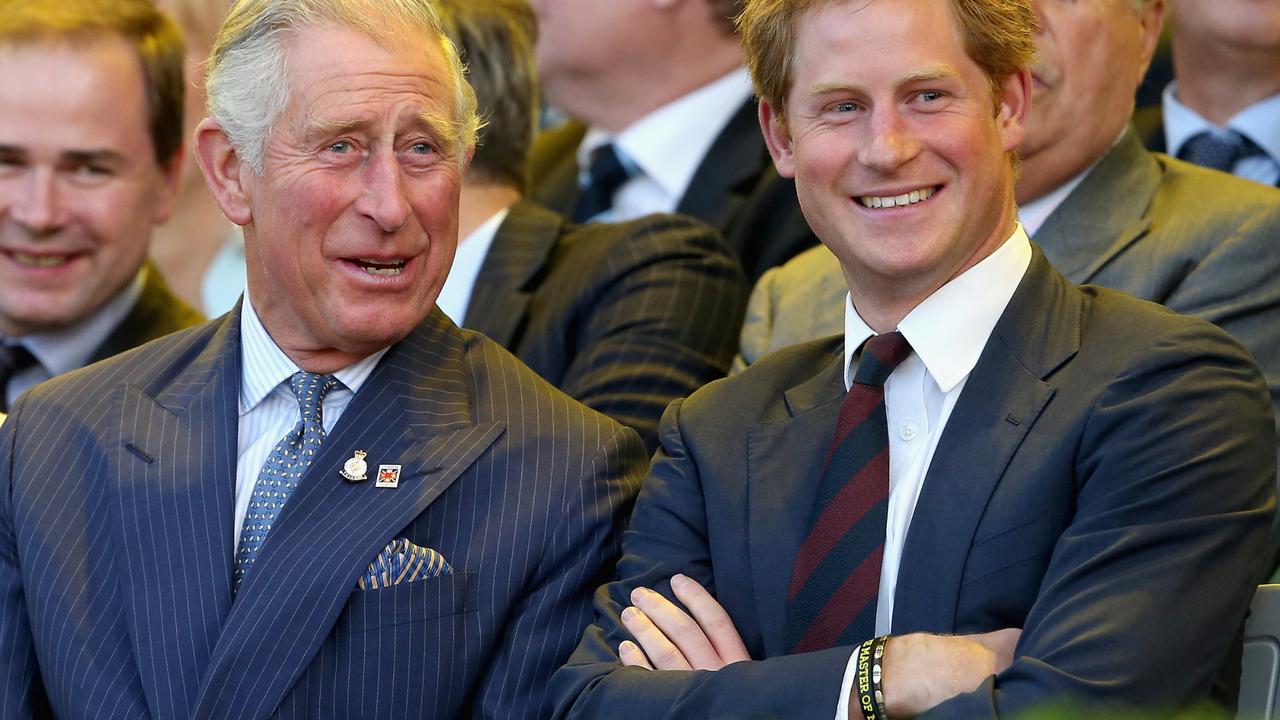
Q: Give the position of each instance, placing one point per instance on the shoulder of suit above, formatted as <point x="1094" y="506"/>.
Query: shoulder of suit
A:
<point x="554" y="147"/>
<point x="153" y="364"/>
<point x="504" y="389"/>
<point x="757" y="393"/>
<point x="1117" y="325"/>
<point x="1210" y="195"/>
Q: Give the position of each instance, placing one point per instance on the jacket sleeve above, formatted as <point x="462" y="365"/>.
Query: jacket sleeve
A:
<point x="1237" y="288"/>
<point x="668" y="535"/>
<point x="1148" y="585"/>
<point x="580" y="556"/>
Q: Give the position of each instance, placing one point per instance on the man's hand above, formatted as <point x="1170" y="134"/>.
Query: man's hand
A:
<point x="921" y="671"/>
<point x="673" y="640"/>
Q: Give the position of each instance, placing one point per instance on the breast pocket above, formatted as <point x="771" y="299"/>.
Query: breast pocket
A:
<point x="407" y="603"/>
<point x="400" y="652"/>
<point x="1002" y="575"/>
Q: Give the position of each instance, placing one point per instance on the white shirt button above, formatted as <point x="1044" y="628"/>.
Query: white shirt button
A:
<point x="907" y="433"/>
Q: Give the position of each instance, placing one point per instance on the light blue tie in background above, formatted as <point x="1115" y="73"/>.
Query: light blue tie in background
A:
<point x="283" y="468"/>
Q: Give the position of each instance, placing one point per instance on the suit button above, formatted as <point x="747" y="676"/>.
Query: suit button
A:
<point x="907" y="433"/>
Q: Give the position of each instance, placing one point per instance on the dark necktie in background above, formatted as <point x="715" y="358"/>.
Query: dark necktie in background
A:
<point x="607" y="174"/>
<point x="13" y="360"/>
<point x="836" y="580"/>
<point x="1209" y="150"/>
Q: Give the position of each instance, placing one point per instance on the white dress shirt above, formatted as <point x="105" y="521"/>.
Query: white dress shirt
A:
<point x="1033" y="214"/>
<point x="665" y="147"/>
<point x="947" y="333"/>
<point x="455" y="296"/>
<point x="61" y="351"/>
<point x="1260" y="122"/>
<point x="268" y="407"/>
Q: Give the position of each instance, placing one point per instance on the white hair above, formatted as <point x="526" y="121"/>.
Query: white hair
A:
<point x="246" y="78"/>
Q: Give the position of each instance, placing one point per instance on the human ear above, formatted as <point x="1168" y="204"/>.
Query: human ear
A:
<point x="223" y="171"/>
<point x="777" y="136"/>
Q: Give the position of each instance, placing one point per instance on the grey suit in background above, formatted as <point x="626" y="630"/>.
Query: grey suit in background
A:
<point x="1197" y="241"/>
<point x="622" y="317"/>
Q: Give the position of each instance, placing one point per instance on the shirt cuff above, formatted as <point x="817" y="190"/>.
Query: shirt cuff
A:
<point x="846" y="688"/>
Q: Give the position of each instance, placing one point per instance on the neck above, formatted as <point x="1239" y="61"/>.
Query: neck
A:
<point x="882" y="302"/>
<point x="481" y="200"/>
<point x="185" y="245"/>
<point x="1219" y="79"/>
<point x="616" y="98"/>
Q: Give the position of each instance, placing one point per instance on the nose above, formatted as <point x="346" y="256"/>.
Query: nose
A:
<point x="385" y="200"/>
<point x="37" y="205"/>
<point x="890" y="144"/>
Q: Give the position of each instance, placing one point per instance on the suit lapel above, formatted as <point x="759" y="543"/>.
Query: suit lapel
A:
<point x="504" y="286"/>
<point x="1105" y="214"/>
<point x="1000" y="403"/>
<point x="174" y="469"/>
<point x="413" y="411"/>
<point x="784" y="466"/>
<point x="728" y="172"/>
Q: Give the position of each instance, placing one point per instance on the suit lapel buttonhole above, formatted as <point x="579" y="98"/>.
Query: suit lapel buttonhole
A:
<point x="147" y="458"/>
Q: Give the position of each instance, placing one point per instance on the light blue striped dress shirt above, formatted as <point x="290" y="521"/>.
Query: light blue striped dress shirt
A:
<point x="268" y="408"/>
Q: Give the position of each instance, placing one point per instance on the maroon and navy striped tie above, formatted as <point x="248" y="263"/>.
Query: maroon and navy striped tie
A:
<point x="836" y="580"/>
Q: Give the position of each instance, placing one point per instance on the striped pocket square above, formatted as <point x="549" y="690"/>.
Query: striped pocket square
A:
<point x="400" y="562"/>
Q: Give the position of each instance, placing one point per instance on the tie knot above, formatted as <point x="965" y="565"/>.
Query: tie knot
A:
<point x="1220" y="152"/>
<point x="880" y="355"/>
<point x="310" y="390"/>
<point x="608" y="173"/>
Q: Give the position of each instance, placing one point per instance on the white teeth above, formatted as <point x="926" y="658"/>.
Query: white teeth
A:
<point x="910" y="198"/>
<point x="40" y="261"/>
<point x="381" y="267"/>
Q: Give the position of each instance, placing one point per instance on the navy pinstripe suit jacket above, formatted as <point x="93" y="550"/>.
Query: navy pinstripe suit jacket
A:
<point x="116" y="540"/>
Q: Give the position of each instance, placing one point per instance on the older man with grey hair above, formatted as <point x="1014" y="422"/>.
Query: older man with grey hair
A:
<point x="331" y="502"/>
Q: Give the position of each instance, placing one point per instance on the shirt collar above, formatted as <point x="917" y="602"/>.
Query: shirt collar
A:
<point x="950" y="328"/>
<point x="1260" y="122"/>
<point x="668" y="144"/>
<point x="67" y="349"/>
<point x="264" y="365"/>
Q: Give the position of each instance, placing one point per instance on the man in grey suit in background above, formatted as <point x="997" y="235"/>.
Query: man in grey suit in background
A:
<point x="1104" y="210"/>
<point x="330" y="502"/>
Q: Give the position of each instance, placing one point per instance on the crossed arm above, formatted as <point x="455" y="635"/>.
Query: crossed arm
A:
<point x="920" y="670"/>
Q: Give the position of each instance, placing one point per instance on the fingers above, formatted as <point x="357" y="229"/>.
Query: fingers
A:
<point x="664" y="654"/>
<point x="632" y="655"/>
<point x="715" y="623"/>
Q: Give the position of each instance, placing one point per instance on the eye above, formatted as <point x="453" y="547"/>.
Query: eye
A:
<point x="421" y="148"/>
<point x="845" y="107"/>
<point x="341" y="147"/>
<point x="930" y="95"/>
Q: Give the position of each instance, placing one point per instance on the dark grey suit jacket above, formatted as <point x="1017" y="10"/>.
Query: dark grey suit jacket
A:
<point x="1197" y="241"/>
<point x="735" y="189"/>
<point x="623" y="318"/>
<point x="157" y="313"/>
<point x="1105" y="482"/>
<point x="116" y="540"/>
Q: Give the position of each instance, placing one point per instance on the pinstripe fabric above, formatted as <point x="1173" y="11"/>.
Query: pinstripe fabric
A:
<point x="115" y="540"/>
<point x="624" y="318"/>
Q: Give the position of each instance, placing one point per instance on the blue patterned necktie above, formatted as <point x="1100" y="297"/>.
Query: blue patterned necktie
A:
<point x="283" y="468"/>
<point x="1220" y="153"/>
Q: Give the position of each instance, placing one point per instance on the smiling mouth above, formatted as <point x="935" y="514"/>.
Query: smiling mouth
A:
<point x="888" y="201"/>
<point x="39" y="261"/>
<point x="379" y="267"/>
